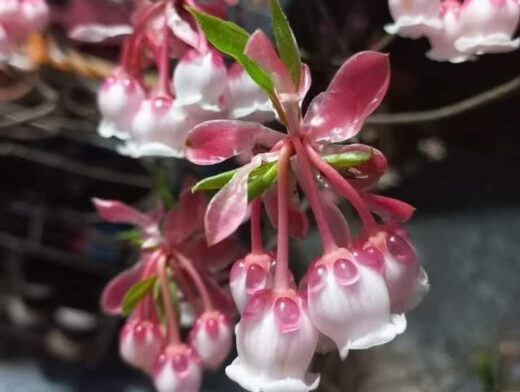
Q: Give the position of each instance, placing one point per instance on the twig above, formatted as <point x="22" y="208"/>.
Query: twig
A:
<point x="62" y="163"/>
<point x="452" y="110"/>
<point x="383" y="42"/>
<point x="327" y="17"/>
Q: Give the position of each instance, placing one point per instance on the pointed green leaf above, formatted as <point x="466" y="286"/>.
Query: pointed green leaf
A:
<point x="259" y="184"/>
<point x="347" y="159"/>
<point x="285" y="42"/>
<point x="136" y="294"/>
<point x="133" y="236"/>
<point x="214" y="182"/>
<point x="231" y="39"/>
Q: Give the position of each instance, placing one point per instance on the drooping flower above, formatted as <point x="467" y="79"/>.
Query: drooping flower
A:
<point x="414" y="18"/>
<point x="276" y="341"/>
<point x="212" y="337"/>
<point x="177" y="369"/>
<point x="140" y="342"/>
<point x="487" y="26"/>
<point x="349" y="301"/>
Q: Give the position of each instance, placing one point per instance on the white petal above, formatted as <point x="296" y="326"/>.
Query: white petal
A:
<point x="95" y="32"/>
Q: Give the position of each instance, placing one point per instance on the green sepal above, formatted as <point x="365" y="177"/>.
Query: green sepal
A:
<point x="136" y="293"/>
<point x="346" y="160"/>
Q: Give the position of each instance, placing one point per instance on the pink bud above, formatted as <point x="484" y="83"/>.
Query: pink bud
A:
<point x="487" y="26"/>
<point x="349" y="302"/>
<point x="118" y="100"/>
<point x="177" y="369"/>
<point x="140" y="342"/>
<point x="414" y="18"/>
<point x="211" y="337"/>
<point x="248" y="276"/>
<point x="8" y="10"/>
<point x="276" y="342"/>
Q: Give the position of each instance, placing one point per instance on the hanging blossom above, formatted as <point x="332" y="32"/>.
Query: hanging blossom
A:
<point x="177" y="271"/>
<point x="355" y="294"/>
<point x="19" y="18"/>
<point x="458" y="31"/>
<point x="154" y="120"/>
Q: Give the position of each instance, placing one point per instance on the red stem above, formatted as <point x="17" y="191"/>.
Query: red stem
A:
<point x="163" y="62"/>
<point x="344" y="187"/>
<point x="172" y="327"/>
<point x="197" y="280"/>
<point x="311" y="191"/>
<point x="256" y="227"/>
<point x="281" y="277"/>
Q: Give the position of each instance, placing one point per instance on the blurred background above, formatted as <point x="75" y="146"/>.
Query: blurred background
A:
<point x="459" y="170"/>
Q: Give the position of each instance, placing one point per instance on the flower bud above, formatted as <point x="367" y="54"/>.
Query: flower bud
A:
<point x="212" y="337"/>
<point x="177" y="369"/>
<point x="275" y="342"/>
<point x="140" y="342"/>
<point x="349" y="302"/>
<point x="487" y="26"/>
<point x="406" y="281"/>
<point x="118" y="100"/>
<point x="248" y="276"/>
<point x="414" y="18"/>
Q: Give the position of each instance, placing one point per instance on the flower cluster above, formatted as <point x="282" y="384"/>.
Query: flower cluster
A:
<point x="154" y="119"/>
<point x="175" y="283"/>
<point x="458" y="31"/>
<point x="355" y="294"/>
<point x="18" y="18"/>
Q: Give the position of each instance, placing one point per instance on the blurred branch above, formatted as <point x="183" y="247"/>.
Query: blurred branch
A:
<point x="62" y="163"/>
<point x="383" y="42"/>
<point x="329" y="20"/>
<point x="452" y="110"/>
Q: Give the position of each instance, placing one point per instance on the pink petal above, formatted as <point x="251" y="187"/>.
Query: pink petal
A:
<point x="337" y="223"/>
<point x="354" y="93"/>
<point x="186" y="217"/>
<point x="305" y="82"/>
<point x="366" y="175"/>
<point x="117" y="212"/>
<point x="115" y="290"/>
<point x="215" y="141"/>
<point x="220" y="297"/>
<point x="182" y="29"/>
<point x="228" y="208"/>
<point x="388" y="208"/>
<point x="260" y="49"/>
<point x="298" y="221"/>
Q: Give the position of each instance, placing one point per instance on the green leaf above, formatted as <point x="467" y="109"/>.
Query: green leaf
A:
<point x="136" y="294"/>
<point x="218" y="181"/>
<point x="347" y="159"/>
<point x="285" y="42"/>
<point x="231" y="39"/>
<point x="260" y="184"/>
<point x="214" y="182"/>
<point x="133" y="236"/>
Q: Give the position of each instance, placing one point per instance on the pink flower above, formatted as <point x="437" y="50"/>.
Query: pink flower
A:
<point x="276" y="342"/>
<point x="212" y="337"/>
<point x="443" y="42"/>
<point x="177" y="369"/>
<point x="333" y="116"/>
<point x="348" y="301"/>
<point x="118" y="100"/>
<point x="488" y="26"/>
<point x="414" y="18"/>
<point x="140" y="342"/>
<point x="406" y="281"/>
<point x="250" y="275"/>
